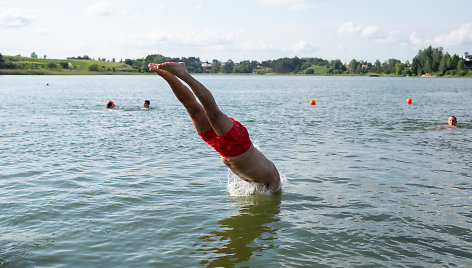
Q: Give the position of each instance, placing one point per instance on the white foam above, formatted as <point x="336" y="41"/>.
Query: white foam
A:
<point x="239" y="187"/>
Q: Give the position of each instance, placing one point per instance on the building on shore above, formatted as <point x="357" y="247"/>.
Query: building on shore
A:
<point x="466" y="56"/>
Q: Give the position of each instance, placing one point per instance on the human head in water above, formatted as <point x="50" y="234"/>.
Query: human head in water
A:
<point x="146" y="104"/>
<point x="452" y="121"/>
<point x="110" y="104"/>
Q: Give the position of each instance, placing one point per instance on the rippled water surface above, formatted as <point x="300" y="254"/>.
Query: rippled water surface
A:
<point x="370" y="180"/>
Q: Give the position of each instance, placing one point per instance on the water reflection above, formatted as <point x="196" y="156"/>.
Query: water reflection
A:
<point x="240" y="236"/>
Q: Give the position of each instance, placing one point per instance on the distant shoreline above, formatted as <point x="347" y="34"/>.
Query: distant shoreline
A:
<point x="422" y="65"/>
<point x="47" y="72"/>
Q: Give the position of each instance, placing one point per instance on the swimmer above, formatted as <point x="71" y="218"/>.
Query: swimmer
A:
<point x="110" y="104"/>
<point x="146" y="105"/>
<point x="226" y="135"/>
<point x="451" y="122"/>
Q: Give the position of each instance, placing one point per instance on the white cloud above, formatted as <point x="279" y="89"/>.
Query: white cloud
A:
<point x="166" y="38"/>
<point x="415" y="40"/>
<point x="303" y="46"/>
<point x="256" y="45"/>
<point x="368" y="31"/>
<point x="99" y="9"/>
<point x="389" y="39"/>
<point x="350" y="28"/>
<point x="291" y="4"/>
<point x="13" y="18"/>
<point x="371" y="32"/>
<point x="456" y="37"/>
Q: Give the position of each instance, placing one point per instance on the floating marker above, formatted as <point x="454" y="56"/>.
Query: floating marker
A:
<point x="408" y="101"/>
<point x="312" y="102"/>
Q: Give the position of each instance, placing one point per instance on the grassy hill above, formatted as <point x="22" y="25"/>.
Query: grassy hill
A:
<point x="27" y="65"/>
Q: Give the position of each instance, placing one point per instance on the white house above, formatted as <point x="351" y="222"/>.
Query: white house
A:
<point x="466" y="56"/>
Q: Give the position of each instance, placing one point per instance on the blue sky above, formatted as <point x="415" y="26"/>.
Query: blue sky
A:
<point x="238" y="30"/>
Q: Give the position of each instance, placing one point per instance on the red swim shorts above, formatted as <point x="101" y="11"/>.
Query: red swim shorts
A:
<point x="233" y="143"/>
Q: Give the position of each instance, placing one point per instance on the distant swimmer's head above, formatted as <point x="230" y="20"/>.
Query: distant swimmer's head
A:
<point x="146" y="104"/>
<point x="110" y="104"/>
<point x="452" y="121"/>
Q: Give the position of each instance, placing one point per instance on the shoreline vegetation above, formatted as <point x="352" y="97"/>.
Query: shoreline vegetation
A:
<point x="430" y="62"/>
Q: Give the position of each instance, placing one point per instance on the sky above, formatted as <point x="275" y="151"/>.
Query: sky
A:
<point x="234" y="29"/>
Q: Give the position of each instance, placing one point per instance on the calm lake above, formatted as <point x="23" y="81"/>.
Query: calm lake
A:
<point x="368" y="179"/>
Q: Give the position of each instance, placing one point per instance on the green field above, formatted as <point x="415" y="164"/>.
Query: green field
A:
<point x="27" y="65"/>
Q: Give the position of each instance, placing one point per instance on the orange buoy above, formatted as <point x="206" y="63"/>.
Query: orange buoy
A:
<point x="408" y="101"/>
<point x="312" y="102"/>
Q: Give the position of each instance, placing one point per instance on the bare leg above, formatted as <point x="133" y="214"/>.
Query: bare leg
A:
<point x="186" y="97"/>
<point x="217" y="119"/>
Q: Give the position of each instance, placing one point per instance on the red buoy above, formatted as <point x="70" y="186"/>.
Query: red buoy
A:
<point x="312" y="102"/>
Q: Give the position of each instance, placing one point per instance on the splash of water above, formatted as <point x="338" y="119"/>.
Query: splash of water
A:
<point x="238" y="187"/>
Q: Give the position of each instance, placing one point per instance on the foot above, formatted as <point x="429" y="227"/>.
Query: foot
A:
<point x="176" y="68"/>
<point x="155" y="68"/>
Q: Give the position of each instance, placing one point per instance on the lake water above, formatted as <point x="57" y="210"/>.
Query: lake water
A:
<point x="369" y="180"/>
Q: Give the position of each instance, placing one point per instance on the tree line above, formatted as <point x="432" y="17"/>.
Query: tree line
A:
<point x="429" y="61"/>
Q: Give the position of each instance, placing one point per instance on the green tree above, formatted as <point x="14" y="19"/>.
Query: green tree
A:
<point x="93" y="67"/>
<point x="447" y="59"/>
<point x="243" y="67"/>
<point x="255" y="64"/>
<point x="228" y="67"/>
<point x="296" y="64"/>
<point x="389" y="66"/>
<point x="51" y="65"/>
<point x="443" y="66"/>
<point x="286" y="65"/>
<point x="399" y="68"/>
<point x="454" y="62"/>
<point x="34" y="55"/>
<point x="427" y="66"/>
<point x="460" y="65"/>
<point x="215" y="66"/>
<point x="407" y="71"/>
<point x="129" y="62"/>
<point x="336" y="67"/>
<point x="414" y="67"/>
<point x="354" y="67"/>
<point x="193" y="64"/>
<point x="437" y="55"/>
